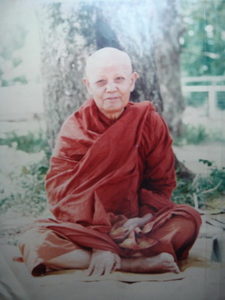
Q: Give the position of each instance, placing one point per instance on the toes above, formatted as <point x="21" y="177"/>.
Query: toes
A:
<point x="169" y="263"/>
<point x="173" y="267"/>
<point x="166" y="257"/>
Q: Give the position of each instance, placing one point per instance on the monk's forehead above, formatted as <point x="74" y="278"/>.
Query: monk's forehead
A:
<point x="108" y="57"/>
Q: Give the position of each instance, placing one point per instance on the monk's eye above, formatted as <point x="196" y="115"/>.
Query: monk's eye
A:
<point x="101" y="82"/>
<point x="119" y="79"/>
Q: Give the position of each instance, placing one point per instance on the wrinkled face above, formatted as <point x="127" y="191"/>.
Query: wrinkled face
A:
<point x="110" y="85"/>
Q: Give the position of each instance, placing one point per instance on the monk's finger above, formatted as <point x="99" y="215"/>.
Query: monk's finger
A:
<point x="90" y="268"/>
<point x="108" y="269"/>
<point x="117" y="263"/>
<point x="129" y="225"/>
<point x="98" y="270"/>
<point x="174" y="268"/>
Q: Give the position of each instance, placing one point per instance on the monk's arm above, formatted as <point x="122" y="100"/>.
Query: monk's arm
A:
<point x="159" y="176"/>
<point x="133" y="223"/>
<point x="69" y="177"/>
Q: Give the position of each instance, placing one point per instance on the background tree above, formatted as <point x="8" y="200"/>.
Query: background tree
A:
<point x="9" y="58"/>
<point x="148" y="32"/>
<point x="204" y="38"/>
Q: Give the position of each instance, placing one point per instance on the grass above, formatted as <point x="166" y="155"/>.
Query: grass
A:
<point x="221" y="100"/>
<point x="203" y="189"/>
<point x="28" y="193"/>
<point x="30" y="143"/>
<point x="197" y="135"/>
<point x="29" y="198"/>
<point x="198" y="99"/>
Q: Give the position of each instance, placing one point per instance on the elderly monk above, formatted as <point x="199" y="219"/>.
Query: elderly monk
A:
<point x="109" y="185"/>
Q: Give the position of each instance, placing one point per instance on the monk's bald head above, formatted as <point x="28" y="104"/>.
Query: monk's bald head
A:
<point x="106" y="57"/>
<point x="110" y="80"/>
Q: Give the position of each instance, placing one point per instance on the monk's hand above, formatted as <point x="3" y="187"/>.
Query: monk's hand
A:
<point x="135" y="223"/>
<point x="103" y="262"/>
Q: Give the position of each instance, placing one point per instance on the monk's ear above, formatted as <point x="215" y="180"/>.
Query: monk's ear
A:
<point x="134" y="77"/>
<point x="87" y="84"/>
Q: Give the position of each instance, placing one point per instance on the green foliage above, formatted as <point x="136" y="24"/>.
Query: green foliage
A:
<point x="29" y="143"/>
<point x="203" y="41"/>
<point x="28" y="195"/>
<point x="14" y="41"/>
<point x="192" y="135"/>
<point x="183" y="194"/>
<point x="16" y="61"/>
<point x="202" y="189"/>
<point x="221" y="100"/>
<point x="196" y="99"/>
<point x="197" y="135"/>
<point x="19" y="79"/>
<point x="13" y="38"/>
<point x="30" y="198"/>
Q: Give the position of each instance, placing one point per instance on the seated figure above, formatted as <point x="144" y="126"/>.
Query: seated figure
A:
<point x="109" y="185"/>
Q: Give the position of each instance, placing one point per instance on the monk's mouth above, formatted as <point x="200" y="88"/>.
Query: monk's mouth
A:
<point x="112" y="99"/>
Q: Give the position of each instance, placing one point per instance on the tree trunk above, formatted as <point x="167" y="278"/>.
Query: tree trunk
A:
<point x="167" y="62"/>
<point x="148" y="32"/>
<point x="63" y="56"/>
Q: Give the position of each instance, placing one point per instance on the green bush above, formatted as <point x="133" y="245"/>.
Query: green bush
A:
<point x="20" y="79"/>
<point x="202" y="188"/>
<point x="29" y="198"/>
<point x="29" y="195"/>
<point x="9" y="82"/>
<point x="192" y="135"/>
<point x="221" y="100"/>
<point x="197" y="135"/>
<point x="196" y="99"/>
<point x="29" y="143"/>
<point x="16" y="61"/>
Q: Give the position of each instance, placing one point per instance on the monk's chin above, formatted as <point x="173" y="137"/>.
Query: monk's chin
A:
<point x="113" y="107"/>
<point x="113" y="113"/>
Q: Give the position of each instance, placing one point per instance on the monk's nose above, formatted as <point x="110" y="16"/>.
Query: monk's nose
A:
<point x="111" y="87"/>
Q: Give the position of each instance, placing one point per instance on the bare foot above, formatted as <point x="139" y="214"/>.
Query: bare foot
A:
<point x="164" y="262"/>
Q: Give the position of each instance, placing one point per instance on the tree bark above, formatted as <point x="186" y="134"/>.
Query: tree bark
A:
<point x="148" y="32"/>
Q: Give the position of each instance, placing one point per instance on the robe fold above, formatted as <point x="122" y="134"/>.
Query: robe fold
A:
<point x="104" y="172"/>
<point x="101" y="166"/>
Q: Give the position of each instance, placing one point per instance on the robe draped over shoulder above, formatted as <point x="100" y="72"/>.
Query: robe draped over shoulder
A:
<point x="100" y="167"/>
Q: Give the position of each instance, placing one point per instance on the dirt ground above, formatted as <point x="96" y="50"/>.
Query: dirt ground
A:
<point x="202" y="277"/>
<point x="190" y="155"/>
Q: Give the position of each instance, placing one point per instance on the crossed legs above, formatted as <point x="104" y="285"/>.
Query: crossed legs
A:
<point x="174" y="238"/>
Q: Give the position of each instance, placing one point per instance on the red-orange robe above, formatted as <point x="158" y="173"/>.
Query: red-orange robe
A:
<point x="104" y="172"/>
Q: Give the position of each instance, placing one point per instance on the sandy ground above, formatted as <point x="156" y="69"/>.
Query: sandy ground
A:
<point x="200" y="279"/>
<point x="190" y="155"/>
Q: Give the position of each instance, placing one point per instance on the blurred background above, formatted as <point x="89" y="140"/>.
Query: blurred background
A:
<point x="178" y="48"/>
